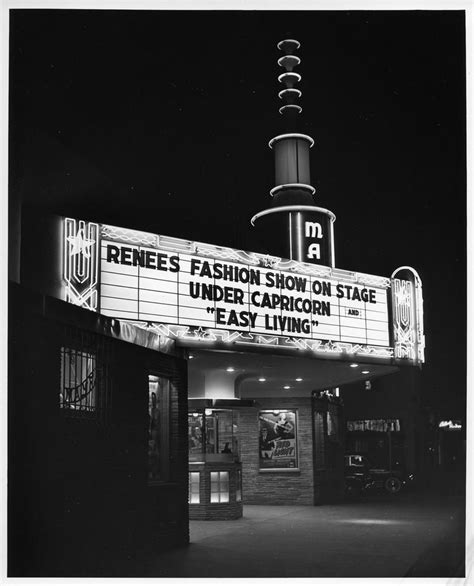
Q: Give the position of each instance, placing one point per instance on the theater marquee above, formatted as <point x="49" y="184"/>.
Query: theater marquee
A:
<point x="200" y="291"/>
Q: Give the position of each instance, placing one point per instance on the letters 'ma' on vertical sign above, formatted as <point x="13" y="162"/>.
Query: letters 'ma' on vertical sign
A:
<point x="310" y="236"/>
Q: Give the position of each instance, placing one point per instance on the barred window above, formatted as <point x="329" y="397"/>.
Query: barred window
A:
<point x="194" y="486"/>
<point x="78" y="391"/>
<point x="219" y="487"/>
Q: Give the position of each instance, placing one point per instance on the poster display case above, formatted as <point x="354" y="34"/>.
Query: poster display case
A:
<point x="278" y="447"/>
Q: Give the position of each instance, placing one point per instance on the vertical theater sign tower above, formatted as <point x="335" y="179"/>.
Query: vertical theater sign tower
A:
<point x="270" y="339"/>
<point x="309" y="229"/>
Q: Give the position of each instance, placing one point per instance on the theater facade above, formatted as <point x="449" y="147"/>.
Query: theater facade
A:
<point x="229" y="366"/>
<point x="269" y="343"/>
<point x="271" y="339"/>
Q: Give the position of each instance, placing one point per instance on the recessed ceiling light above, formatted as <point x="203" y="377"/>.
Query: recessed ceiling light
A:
<point x="298" y="379"/>
<point x="262" y="380"/>
<point x="365" y="371"/>
<point x="230" y="369"/>
<point x="286" y="387"/>
<point x="353" y="365"/>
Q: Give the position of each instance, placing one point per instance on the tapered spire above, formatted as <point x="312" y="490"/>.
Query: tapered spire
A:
<point x="309" y="229"/>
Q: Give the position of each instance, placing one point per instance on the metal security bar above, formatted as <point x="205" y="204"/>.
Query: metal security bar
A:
<point x="79" y="380"/>
<point x="84" y="384"/>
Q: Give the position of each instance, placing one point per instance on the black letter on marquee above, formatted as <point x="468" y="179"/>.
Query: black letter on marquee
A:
<point x="113" y="253"/>
<point x="174" y="262"/>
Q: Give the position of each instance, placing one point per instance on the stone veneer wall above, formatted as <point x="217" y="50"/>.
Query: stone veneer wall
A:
<point x="277" y="488"/>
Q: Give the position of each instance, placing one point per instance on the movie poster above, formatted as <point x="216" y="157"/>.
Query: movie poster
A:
<point x="277" y="439"/>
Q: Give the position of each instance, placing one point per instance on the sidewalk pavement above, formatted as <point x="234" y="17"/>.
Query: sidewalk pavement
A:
<point x="387" y="537"/>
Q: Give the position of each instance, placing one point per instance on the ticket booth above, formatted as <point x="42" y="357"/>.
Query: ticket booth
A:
<point x="215" y="469"/>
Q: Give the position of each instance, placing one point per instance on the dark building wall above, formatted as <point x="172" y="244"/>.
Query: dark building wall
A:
<point x="276" y="488"/>
<point x="394" y="396"/>
<point x="78" y="493"/>
<point x="328" y="426"/>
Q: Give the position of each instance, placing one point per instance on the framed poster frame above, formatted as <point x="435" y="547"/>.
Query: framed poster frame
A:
<point x="278" y="440"/>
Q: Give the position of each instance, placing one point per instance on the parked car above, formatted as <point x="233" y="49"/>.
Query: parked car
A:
<point x="360" y="477"/>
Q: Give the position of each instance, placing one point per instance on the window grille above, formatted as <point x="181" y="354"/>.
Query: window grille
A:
<point x="85" y="387"/>
<point x="194" y="487"/>
<point x="219" y="487"/>
<point x="79" y="380"/>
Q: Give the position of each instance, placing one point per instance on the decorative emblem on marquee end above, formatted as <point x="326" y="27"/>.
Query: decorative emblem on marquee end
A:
<point x="407" y="303"/>
<point x="81" y="263"/>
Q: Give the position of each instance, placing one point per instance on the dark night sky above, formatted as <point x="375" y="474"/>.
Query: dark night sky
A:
<point x="160" y="121"/>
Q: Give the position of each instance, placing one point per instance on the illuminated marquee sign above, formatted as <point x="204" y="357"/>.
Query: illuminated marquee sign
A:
<point x="198" y="291"/>
<point x="145" y="284"/>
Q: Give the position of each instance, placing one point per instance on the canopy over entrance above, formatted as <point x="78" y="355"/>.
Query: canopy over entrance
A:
<point x="227" y="375"/>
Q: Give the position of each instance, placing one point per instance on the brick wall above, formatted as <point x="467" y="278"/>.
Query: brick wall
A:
<point x="206" y="510"/>
<point x="277" y="488"/>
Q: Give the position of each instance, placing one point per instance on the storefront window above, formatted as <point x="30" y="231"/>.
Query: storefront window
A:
<point x="333" y="421"/>
<point x="78" y="390"/>
<point x="158" y="428"/>
<point x="381" y="440"/>
<point x="196" y="441"/>
<point x="219" y="487"/>
<point x="238" y="494"/>
<point x="226" y="443"/>
<point x="319" y="440"/>
<point x="194" y="487"/>
<point x="278" y="439"/>
<point x="212" y="434"/>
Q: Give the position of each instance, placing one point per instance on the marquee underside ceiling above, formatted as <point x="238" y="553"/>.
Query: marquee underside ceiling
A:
<point x="278" y="372"/>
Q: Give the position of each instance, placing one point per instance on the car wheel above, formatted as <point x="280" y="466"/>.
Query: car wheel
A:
<point x="393" y="485"/>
